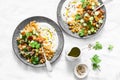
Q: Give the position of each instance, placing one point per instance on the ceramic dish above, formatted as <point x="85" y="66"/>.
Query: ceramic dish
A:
<point x="82" y="72"/>
<point x="64" y="25"/>
<point x="40" y="19"/>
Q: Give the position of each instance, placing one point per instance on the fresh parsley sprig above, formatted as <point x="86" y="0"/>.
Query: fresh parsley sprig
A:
<point x="97" y="46"/>
<point x="95" y="62"/>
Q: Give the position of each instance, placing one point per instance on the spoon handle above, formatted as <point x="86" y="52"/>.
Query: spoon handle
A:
<point x="104" y="3"/>
<point x="48" y="65"/>
<point x="98" y="7"/>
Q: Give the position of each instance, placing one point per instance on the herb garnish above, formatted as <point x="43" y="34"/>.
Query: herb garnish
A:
<point x="95" y="62"/>
<point x="81" y="33"/>
<point x="97" y="46"/>
<point x="110" y="47"/>
<point x="35" y="44"/>
<point x="77" y="16"/>
<point x="84" y="3"/>
<point x="34" y="60"/>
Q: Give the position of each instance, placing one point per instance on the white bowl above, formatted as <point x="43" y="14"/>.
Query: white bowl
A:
<point x="84" y="74"/>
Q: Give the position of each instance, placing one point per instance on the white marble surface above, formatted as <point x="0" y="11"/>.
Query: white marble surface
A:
<point x="12" y="12"/>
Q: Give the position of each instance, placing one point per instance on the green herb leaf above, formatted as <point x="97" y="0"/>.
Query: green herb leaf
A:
<point x="81" y="33"/>
<point x="82" y="1"/>
<point x="95" y="62"/>
<point x="89" y="24"/>
<point x="77" y="16"/>
<point x="34" y="44"/>
<point x="28" y="34"/>
<point x="85" y="3"/>
<point x="24" y="37"/>
<point x="25" y="49"/>
<point x="37" y="46"/>
<point x="110" y="47"/>
<point x="34" y="60"/>
<point x="95" y="59"/>
<point x="18" y="42"/>
<point x="95" y="66"/>
<point x="97" y="46"/>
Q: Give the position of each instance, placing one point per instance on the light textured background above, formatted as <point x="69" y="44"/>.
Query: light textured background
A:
<point x="12" y="12"/>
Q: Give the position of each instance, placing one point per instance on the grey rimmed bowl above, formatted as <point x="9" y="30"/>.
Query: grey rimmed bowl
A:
<point x="65" y="27"/>
<point x="41" y="20"/>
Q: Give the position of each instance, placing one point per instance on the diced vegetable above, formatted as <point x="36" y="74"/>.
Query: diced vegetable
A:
<point x="97" y="13"/>
<point x="91" y="18"/>
<point x="92" y="29"/>
<point x="100" y="21"/>
<point x="89" y="24"/>
<point x="81" y="20"/>
<point x="84" y="24"/>
<point x="81" y="33"/>
<point x="89" y="32"/>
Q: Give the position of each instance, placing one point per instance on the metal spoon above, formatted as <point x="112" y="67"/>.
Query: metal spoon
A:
<point x="104" y="3"/>
<point x="48" y="65"/>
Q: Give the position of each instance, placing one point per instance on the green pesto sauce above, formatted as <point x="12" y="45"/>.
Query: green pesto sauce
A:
<point x="75" y="52"/>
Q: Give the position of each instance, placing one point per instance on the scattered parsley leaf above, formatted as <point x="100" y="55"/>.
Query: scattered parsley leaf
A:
<point x="97" y="46"/>
<point x="110" y="47"/>
<point x="95" y="62"/>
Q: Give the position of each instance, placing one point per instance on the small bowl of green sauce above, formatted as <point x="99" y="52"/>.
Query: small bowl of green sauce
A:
<point x="73" y="54"/>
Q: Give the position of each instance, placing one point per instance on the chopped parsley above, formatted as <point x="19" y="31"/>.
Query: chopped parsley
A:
<point x="84" y="3"/>
<point x="34" y="60"/>
<point x="77" y="16"/>
<point x="35" y="44"/>
<point x="81" y="33"/>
